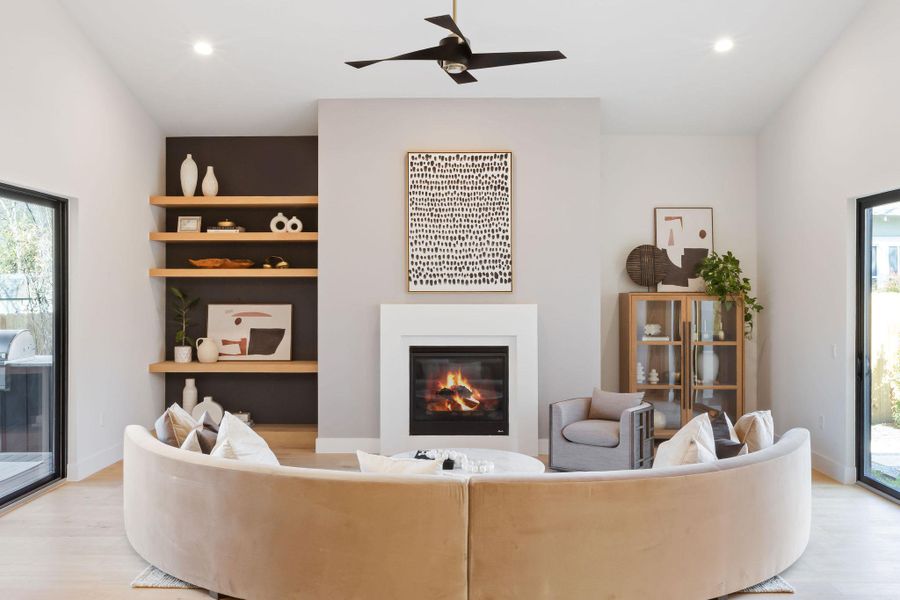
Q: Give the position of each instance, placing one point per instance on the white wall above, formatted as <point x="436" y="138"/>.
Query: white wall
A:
<point x="70" y="128"/>
<point x="834" y="140"/>
<point x="638" y="173"/>
<point x="582" y="201"/>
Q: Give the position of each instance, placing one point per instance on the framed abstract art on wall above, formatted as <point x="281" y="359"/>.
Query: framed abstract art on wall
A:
<point x="459" y="221"/>
<point x="685" y="235"/>
<point x="251" y="331"/>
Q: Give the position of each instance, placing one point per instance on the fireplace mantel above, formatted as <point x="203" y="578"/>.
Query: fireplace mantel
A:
<point x="511" y="325"/>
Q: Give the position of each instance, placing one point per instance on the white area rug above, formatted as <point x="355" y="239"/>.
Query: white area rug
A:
<point x="770" y="586"/>
<point x="151" y="577"/>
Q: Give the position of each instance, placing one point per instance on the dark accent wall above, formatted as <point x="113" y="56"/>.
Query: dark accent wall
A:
<point x="250" y="166"/>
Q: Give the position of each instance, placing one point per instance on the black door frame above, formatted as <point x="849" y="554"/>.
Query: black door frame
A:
<point x="60" y="331"/>
<point x="863" y="327"/>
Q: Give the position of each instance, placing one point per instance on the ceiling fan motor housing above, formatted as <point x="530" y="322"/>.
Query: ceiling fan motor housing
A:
<point x="458" y="53"/>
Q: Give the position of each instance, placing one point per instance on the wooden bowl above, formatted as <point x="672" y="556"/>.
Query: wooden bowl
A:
<point x="221" y="263"/>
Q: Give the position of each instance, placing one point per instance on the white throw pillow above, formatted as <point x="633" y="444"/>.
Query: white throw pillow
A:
<point x="373" y="463"/>
<point x="756" y="429"/>
<point x="243" y="443"/>
<point x="192" y="442"/>
<point x="174" y="425"/>
<point x="693" y="443"/>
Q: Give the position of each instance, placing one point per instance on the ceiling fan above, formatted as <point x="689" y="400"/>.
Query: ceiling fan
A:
<point x="455" y="56"/>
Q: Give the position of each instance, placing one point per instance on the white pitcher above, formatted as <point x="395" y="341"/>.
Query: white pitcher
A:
<point x="207" y="350"/>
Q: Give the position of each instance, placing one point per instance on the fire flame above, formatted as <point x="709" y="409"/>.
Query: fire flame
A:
<point x="455" y="394"/>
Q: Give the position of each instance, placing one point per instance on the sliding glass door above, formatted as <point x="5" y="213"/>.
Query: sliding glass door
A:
<point x="32" y="341"/>
<point x="878" y="342"/>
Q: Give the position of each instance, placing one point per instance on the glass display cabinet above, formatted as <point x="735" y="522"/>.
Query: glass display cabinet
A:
<point x="685" y="352"/>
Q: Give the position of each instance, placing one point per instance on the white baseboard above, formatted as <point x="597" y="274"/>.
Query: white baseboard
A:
<point x="347" y="445"/>
<point x="351" y="445"/>
<point x="833" y="469"/>
<point x="93" y="463"/>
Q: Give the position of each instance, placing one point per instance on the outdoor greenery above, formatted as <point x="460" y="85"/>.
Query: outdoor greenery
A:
<point x="26" y="270"/>
<point x="724" y="279"/>
<point x="181" y="309"/>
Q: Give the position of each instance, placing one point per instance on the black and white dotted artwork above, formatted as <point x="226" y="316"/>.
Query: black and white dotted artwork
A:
<point x="459" y="221"/>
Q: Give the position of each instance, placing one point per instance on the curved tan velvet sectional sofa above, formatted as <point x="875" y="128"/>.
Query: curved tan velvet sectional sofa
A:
<point x="258" y="532"/>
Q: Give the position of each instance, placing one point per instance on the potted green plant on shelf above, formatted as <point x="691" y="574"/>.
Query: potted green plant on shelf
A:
<point x="182" y="307"/>
<point x="724" y="279"/>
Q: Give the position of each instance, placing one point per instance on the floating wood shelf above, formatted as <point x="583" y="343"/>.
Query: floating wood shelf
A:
<point x="288" y="436"/>
<point x="658" y="343"/>
<point x="230" y="238"/>
<point x="233" y="366"/>
<point x="233" y="201"/>
<point x="245" y="273"/>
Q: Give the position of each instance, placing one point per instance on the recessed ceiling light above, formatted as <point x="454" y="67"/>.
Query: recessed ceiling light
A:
<point x="723" y="45"/>
<point x="203" y="48"/>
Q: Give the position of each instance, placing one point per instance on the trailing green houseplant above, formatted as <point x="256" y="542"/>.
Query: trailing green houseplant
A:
<point x="181" y="309"/>
<point x="724" y="279"/>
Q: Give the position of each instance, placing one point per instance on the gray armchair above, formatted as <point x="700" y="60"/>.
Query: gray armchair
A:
<point x="578" y="443"/>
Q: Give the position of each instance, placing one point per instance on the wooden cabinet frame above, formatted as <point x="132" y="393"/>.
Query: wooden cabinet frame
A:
<point x="686" y="347"/>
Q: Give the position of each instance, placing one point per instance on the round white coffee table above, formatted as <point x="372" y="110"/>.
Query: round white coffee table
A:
<point x="504" y="460"/>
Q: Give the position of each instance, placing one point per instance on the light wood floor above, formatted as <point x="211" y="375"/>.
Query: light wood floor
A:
<point x="70" y="544"/>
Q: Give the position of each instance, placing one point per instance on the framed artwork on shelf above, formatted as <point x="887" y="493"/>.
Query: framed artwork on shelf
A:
<point x="250" y="331"/>
<point x="189" y="224"/>
<point x="459" y="221"/>
<point x="685" y="235"/>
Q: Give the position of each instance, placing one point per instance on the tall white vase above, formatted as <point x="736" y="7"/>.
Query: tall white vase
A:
<point x="708" y="366"/>
<point x="189" y="395"/>
<point x="188" y="176"/>
<point x="210" y="183"/>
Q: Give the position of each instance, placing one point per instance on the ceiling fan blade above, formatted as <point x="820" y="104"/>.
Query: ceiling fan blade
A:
<point x="433" y="53"/>
<point x="503" y="59"/>
<point x="464" y="77"/>
<point x="447" y="22"/>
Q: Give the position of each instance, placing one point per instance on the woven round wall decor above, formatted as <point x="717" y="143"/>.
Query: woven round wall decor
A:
<point x="646" y="265"/>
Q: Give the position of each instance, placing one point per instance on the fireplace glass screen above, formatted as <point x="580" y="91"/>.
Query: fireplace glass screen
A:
<point x="459" y="390"/>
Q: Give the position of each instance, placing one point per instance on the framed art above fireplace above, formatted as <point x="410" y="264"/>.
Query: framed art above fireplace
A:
<point x="459" y="221"/>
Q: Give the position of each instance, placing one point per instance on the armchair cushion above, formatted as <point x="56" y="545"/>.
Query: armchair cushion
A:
<point x="593" y="432"/>
<point x="611" y="405"/>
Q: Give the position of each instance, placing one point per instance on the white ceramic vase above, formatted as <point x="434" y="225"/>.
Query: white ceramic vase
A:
<point x="207" y="350"/>
<point x="209" y="406"/>
<point x="183" y="354"/>
<point x="189" y="395"/>
<point x="708" y="366"/>
<point x="279" y="223"/>
<point x="210" y="185"/>
<point x="188" y="176"/>
<point x="294" y="225"/>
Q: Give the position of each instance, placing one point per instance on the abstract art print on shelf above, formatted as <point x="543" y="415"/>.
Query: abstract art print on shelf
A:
<point x="459" y="221"/>
<point x="251" y="331"/>
<point x="685" y="235"/>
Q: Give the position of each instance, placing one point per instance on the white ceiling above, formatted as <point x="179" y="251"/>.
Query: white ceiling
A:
<point x="650" y="61"/>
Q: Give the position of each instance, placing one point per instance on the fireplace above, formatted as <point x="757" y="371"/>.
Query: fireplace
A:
<point x="459" y="390"/>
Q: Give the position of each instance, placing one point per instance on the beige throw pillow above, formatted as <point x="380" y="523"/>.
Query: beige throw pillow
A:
<point x="242" y="443"/>
<point x="609" y="406"/>
<point x="373" y="463"/>
<point x="756" y="429"/>
<point x="693" y="443"/>
<point x="174" y="425"/>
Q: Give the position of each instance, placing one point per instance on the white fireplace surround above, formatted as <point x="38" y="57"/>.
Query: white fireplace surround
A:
<point x="512" y="325"/>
